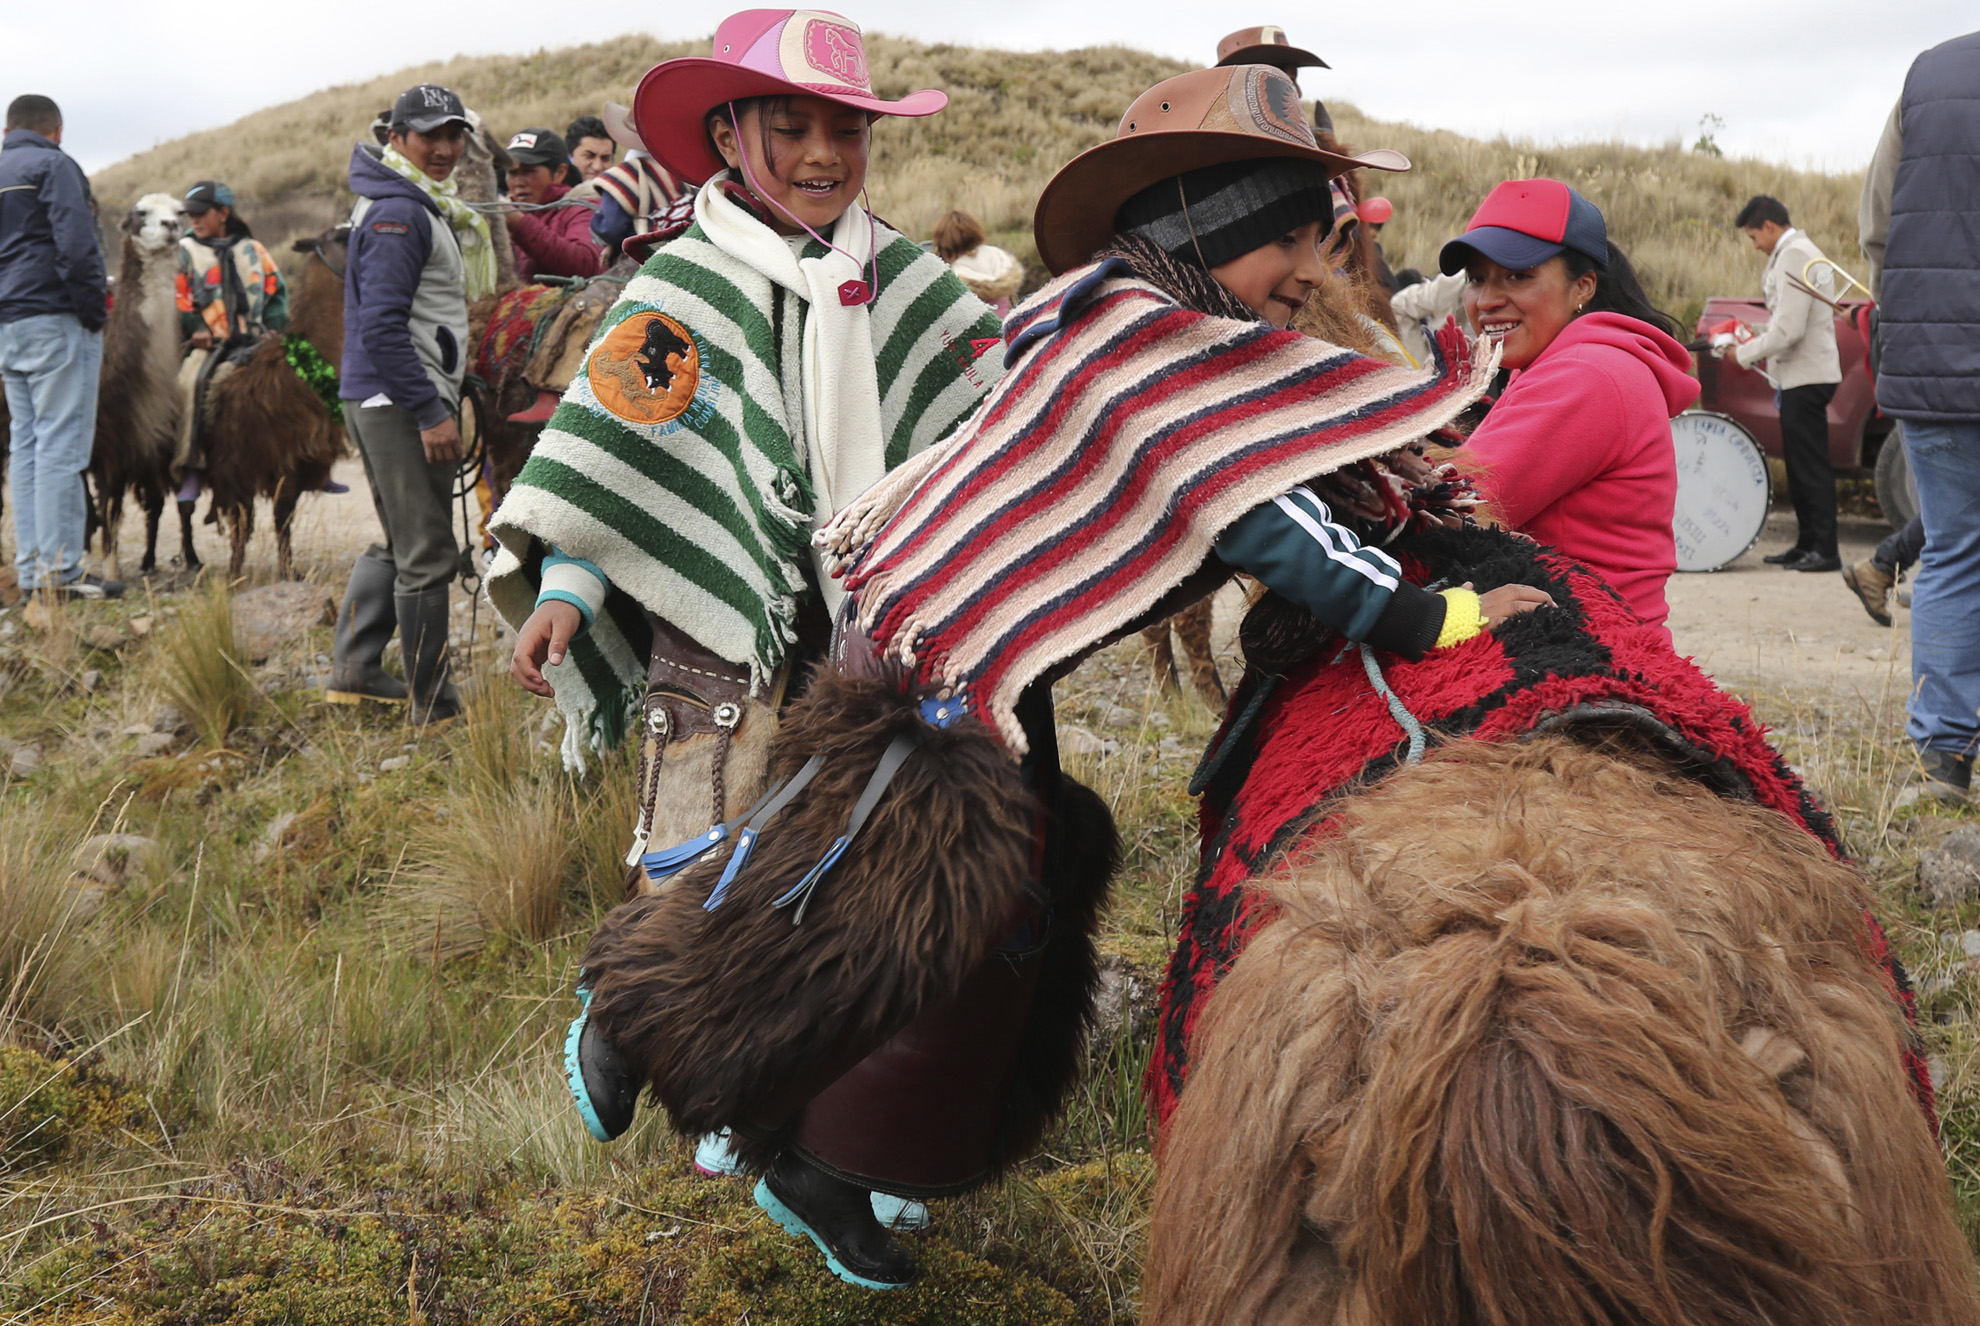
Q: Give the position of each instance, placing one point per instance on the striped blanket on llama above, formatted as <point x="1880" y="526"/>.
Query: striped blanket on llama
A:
<point x="677" y="464"/>
<point x="1127" y="433"/>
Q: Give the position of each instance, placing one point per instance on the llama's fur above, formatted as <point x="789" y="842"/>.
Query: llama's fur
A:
<point x="737" y="1016"/>
<point x="1548" y="1036"/>
<point x="137" y="410"/>
<point x="267" y="435"/>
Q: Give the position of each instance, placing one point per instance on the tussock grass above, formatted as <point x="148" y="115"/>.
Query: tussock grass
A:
<point x="57" y="648"/>
<point x="491" y="864"/>
<point x="204" y="667"/>
<point x="499" y="721"/>
<point x="44" y="954"/>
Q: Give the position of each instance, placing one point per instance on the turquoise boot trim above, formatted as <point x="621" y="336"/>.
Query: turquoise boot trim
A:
<point x="574" y="1072"/>
<point x="788" y="1218"/>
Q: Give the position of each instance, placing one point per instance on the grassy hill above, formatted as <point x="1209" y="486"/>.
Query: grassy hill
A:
<point x="1014" y="119"/>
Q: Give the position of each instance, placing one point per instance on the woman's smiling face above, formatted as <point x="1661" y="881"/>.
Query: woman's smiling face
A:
<point x="1523" y="310"/>
<point x="1274" y="279"/>
<point x="803" y="156"/>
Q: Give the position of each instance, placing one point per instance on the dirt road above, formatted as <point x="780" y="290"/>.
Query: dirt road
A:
<point x="1752" y="625"/>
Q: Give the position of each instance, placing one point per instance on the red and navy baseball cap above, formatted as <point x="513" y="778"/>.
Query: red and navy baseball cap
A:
<point x="1522" y="223"/>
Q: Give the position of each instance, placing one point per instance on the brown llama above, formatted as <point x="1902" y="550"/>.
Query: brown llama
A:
<point x="267" y="433"/>
<point x="1191" y="627"/>
<point x="137" y="406"/>
<point x="1547" y="1035"/>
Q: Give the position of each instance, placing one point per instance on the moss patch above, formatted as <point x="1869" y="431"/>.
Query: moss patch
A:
<point x="49" y="1106"/>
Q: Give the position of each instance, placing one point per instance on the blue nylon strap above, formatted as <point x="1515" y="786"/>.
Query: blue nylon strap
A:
<point x="891" y="760"/>
<point x="673" y="860"/>
<point x="773" y="801"/>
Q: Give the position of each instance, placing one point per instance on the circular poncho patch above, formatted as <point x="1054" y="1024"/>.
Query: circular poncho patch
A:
<point x="646" y="370"/>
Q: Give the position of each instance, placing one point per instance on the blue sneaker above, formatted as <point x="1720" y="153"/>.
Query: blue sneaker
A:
<point x="607" y="1097"/>
<point x="713" y="1159"/>
<point x="838" y="1217"/>
<point x="902" y="1214"/>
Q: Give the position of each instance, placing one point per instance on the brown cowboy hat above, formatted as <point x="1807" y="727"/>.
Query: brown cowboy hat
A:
<point x="1266" y="45"/>
<point x="1203" y="118"/>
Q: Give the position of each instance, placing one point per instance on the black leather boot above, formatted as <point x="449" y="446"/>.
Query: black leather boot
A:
<point x="838" y="1217"/>
<point x="364" y="627"/>
<point x="423" y="638"/>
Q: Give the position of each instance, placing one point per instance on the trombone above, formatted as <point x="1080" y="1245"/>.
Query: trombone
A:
<point x="1806" y="285"/>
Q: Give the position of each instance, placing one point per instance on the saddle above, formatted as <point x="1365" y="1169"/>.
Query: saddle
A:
<point x="1316" y="720"/>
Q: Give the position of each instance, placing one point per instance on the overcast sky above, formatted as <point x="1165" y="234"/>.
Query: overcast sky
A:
<point x="1805" y="82"/>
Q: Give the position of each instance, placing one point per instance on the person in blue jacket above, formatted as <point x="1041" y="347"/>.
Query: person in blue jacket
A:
<point x="52" y="310"/>
<point x="418" y="255"/>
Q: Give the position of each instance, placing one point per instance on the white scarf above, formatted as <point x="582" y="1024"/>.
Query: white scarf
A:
<point x="844" y="440"/>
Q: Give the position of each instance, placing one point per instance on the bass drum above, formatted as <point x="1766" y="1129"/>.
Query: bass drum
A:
<point x="1723" y="490"/>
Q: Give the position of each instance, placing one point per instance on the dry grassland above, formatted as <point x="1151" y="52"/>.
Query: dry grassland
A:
<point x="288" y="1052"/>
<point x="1014" y="118"/>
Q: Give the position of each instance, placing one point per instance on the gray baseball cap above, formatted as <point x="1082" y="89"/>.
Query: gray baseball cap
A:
<point x="426" y="107"/>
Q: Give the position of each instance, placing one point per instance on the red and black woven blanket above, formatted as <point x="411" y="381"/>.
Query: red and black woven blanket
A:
<point x="1295" y="747"/>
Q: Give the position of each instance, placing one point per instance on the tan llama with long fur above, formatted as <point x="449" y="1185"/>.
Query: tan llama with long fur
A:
<point x="1546" y="1036"/>
<point x="137" y="413"/>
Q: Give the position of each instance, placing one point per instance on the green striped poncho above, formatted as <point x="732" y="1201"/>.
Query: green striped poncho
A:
<point x="676" y="462"/>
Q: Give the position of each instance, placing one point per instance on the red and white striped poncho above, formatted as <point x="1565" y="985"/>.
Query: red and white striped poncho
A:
<point x="1127" y="433"/>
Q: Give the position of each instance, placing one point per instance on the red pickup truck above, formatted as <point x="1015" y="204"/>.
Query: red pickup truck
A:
<point x="1857" y="433"/>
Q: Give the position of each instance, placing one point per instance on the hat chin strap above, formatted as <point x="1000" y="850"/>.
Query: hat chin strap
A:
<point x="1196" y="243"/>
<point x="873" y="230"/>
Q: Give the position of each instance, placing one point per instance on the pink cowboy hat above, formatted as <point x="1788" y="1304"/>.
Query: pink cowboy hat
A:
<point x="758" y="53"/>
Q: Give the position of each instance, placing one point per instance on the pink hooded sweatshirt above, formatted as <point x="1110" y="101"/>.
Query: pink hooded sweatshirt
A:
<point x="1578" y="452"/>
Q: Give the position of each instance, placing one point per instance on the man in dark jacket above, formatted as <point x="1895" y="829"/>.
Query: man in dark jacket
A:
<point x="1917" y="224"/>
<point x="406" y="329"/>
<point x="52" y="306"/>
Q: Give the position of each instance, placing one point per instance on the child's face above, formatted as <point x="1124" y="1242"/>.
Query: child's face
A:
<point x="817" y="158"/>
<point x="1274" y="279"/>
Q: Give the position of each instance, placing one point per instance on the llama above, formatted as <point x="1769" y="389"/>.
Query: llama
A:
<point x="267" y="433"/>
<point x="1527" y="983"/>
<point x="137" y="409"/>
<point x="1550" y="1033"/>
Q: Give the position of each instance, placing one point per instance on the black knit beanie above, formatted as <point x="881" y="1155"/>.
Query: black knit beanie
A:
<point x="1232" y="209"/>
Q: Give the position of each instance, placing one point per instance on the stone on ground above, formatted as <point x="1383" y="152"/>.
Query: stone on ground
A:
<point x="1950" y="872"/>
<point x="271" y="616"/>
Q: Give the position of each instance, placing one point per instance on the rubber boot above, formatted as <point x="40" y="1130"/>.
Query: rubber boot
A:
<point x="364" y="627"/>
<point x="423" y="638"/>
<point x="838" y="1217"/>
<point x="606" y="1095"/>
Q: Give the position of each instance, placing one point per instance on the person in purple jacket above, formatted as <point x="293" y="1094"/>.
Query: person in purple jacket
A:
<point x="413" y="262"/>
